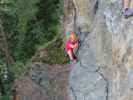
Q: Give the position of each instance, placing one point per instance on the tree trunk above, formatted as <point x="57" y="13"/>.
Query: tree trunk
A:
<point x="4" y="49"/>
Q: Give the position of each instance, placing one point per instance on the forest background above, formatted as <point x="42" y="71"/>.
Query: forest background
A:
<point x="27" y="26"/>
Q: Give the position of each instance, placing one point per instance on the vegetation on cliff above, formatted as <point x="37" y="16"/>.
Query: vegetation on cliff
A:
<point x="27" y="26"/>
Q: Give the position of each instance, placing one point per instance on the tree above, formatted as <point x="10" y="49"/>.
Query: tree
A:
<point x="4" y="45"/>
<point x="4" y="50"/>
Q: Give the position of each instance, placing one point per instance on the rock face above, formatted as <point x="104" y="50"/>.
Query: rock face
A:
<point x="105" y="71"/>
<point x="43" y="82"/>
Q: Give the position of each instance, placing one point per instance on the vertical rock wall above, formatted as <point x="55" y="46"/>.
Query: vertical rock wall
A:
<point x="105" y="71"/>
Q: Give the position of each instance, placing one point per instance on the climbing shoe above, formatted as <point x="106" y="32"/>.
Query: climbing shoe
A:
<point x="73" y="61"/>
<point x="128" y="12"/>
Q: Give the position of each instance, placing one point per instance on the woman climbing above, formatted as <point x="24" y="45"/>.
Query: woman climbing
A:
<point x="127" y="11"/>
<point x="72" y="44"/>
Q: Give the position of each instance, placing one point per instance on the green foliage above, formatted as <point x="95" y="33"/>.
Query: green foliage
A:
<point x="50" y="11"/>
<point x="19" y="69"/>
<point x="16" y="19"/>
<point x="5" y="84"/>
<point x="30" y="23"/>
<point x="56" y="54"/>
<point x="49" y="14"/>
<point x="4" y="4"/>
<point x="29" y="26"/>
<point x="5" y="98"/>
<point x="25" y="11"/>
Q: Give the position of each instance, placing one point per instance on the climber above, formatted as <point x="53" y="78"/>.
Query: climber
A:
<point x="127" y="11"/>
<point x="72" y="44"/>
